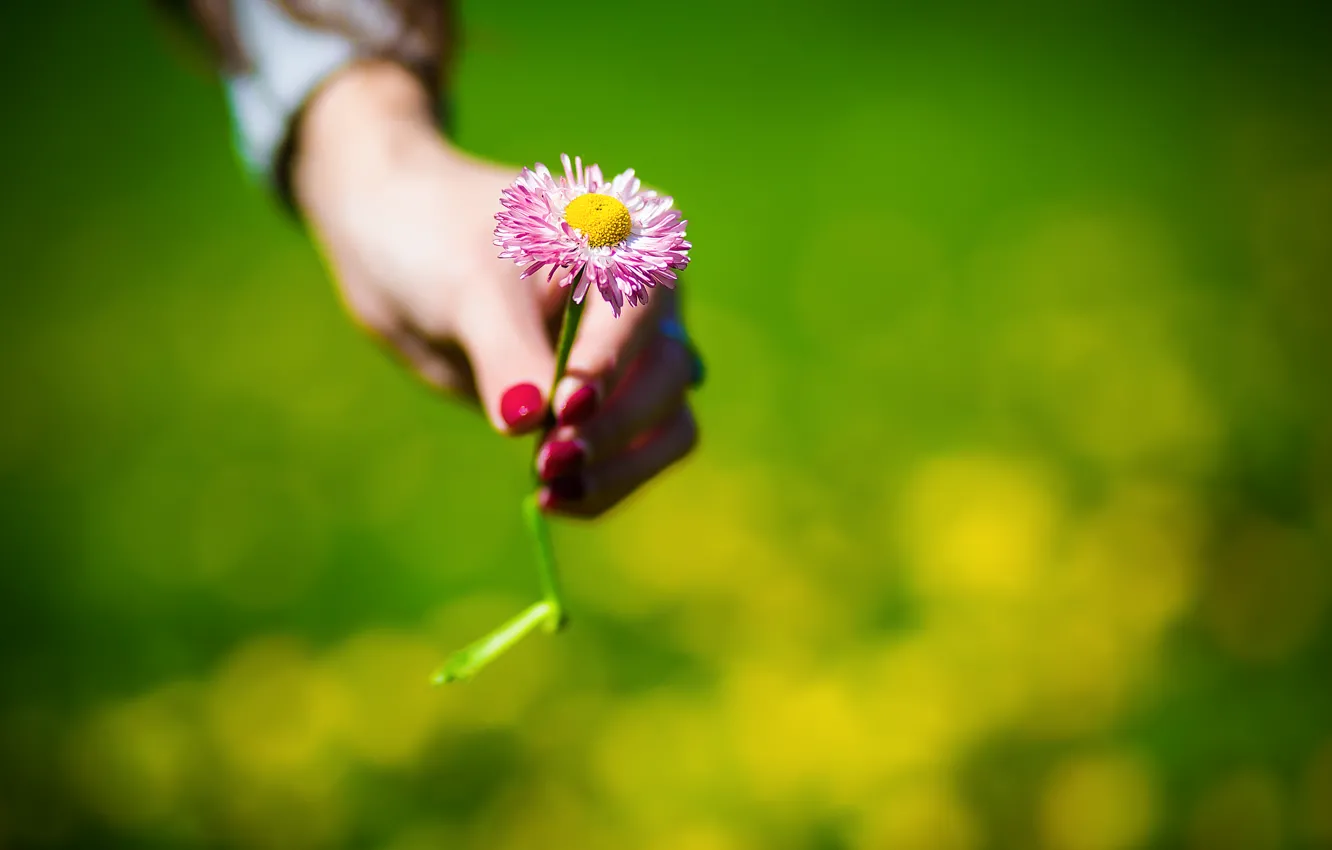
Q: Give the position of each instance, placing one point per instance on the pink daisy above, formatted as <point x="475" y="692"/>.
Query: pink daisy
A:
<point x="617" y="235"/>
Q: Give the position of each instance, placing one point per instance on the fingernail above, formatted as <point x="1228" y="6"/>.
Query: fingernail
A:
<point x="521" y="406"/>
<point x="567" y="488"/>
<point x="560" y="458"/>
<point x="580" y="406"/>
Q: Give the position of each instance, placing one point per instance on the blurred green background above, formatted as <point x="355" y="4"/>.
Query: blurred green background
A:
<point x="1010" y="527"/>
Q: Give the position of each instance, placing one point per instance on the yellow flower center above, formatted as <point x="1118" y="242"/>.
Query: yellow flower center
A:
<point x="603" y="219"/>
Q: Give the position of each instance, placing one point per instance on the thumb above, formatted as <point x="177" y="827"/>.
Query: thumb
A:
<point x="507" y="343"/>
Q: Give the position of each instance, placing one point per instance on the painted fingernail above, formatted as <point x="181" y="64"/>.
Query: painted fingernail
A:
<point x="567" y="488"/>
<point x="560" y="458"/>
<point x="580" y="406"/>
<point x="521" y="406"/>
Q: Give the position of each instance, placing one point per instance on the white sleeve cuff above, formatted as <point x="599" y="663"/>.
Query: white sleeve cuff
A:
<point x="288" y="60"/>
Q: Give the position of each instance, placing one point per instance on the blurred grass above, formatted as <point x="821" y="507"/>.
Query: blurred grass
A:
<point x="1010" y="527"/>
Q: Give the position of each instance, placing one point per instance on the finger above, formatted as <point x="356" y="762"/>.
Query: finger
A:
<point x="601" y="487"/>
<point x="651" y="392"/>
<point x="506" y="342"/>
<point x="604" y="349"/>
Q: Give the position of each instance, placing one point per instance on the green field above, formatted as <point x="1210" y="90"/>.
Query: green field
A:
<point x="1010" y="527"/>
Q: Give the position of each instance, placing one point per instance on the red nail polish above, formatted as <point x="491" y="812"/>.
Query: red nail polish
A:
<point x="580" y="406"/>
<point x="562" y="457"/>
<point x="568" y="488"/>
<point x="521" y="406"/>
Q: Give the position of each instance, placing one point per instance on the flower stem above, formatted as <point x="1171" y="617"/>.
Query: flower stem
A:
<point x="467" y="661"/>
<point x="536" y="521"/>
<point x="573" y="316"/>
<point x="546" y="572"/>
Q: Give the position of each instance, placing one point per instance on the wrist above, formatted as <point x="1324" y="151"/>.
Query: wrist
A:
<point x="368" y="122"/>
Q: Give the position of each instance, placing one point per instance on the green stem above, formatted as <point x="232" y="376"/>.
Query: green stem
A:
<point x="546" y="572"/>
<point x="573" y="316"/>
<point x="536" y="520"/>
<point x="467" y="661"/>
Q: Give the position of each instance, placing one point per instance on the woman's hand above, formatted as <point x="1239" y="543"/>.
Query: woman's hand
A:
<point x="406" y="223"/>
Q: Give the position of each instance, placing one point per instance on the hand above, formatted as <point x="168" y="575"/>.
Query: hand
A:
<point x="406" y="224"/>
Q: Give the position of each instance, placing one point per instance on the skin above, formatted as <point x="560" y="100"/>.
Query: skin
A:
<point x="405" y="222"/>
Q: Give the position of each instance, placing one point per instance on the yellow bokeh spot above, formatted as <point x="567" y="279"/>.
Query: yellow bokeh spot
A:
<point x="550" y="810"/>
<point x="390" y="713"/>
<point x="919" y="815"/>
<point x="601" y="218"/>
<point x="1100" y="802"/>
<point x="271" y="710"/>
<point x="800" y="732"/>
<point x="920" y="710"/>
<point x="1123" y="573"/>
<point x="978" y="526"/>
<point x="1082" y="673"/>
<point x="798" y="735"/>
<point x="724" y="509"/>
<point x="303" y="809"/>
<point x="700" y="836"/>
<point x="1136" y="562"/>
<point x="657" y="751"/>
<point x="134" y="760"/>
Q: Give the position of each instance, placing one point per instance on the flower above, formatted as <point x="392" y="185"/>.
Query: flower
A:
<point x="615" y="234"/>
